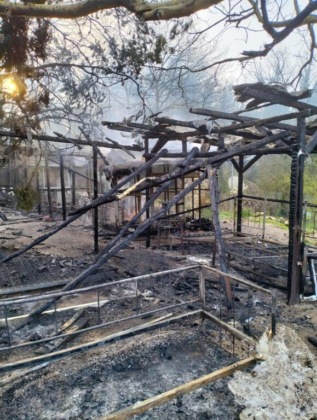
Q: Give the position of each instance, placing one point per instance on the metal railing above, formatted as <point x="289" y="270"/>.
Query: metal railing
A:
<point x="212" y="306"/>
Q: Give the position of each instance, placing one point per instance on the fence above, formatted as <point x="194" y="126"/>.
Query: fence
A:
<point x="208" y="304"/>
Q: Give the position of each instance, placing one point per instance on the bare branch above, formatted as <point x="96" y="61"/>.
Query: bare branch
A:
<point x="148" y="11"/>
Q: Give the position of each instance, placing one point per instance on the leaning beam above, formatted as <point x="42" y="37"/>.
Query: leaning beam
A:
<point x="141" y="407"/>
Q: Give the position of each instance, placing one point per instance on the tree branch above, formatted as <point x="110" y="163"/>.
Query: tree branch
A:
<point x="148" y="11"/>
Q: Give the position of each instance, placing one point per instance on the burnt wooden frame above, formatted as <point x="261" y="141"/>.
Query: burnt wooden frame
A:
<point x="296" y="146"/>
<point x="291" y="141"/>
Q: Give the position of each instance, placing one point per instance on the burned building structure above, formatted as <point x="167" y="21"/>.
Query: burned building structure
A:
<point x="158" y="187"/>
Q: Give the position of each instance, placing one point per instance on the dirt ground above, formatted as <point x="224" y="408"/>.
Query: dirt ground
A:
<point x="91" y="384"/>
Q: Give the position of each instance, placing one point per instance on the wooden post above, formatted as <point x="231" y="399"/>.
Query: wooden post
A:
<point x="39" y="204"/>
<point x="147" y="197"/>
<point x="73" y="188"/>
<point x="240" y="194"/>
<point x="148" y="231"/>
<point x="202" y="287"/>
<point x="296" y="216"/>
<point x="193" y="202"/>
<point x="214" y="198"/>
<point x="48" y="185"/>
<point x="264" y="218"/>
<point x="96" y="222"/>
<point x="61" y="170"/>
<point x="199" y="204"/>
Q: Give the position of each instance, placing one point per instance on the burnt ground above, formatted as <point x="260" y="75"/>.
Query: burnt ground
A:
<point x="97" y="382"/>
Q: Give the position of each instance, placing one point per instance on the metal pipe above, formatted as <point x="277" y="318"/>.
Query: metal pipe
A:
<point x="95" y="327"/>
<point x="8" y="302"/>
<point x="237" y="279"/>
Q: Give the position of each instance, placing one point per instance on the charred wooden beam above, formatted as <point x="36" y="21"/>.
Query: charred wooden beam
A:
<point x="48" y="184"/>
<point x="312" y="144"/>
<point x="214" y="198"/>
<point x="61" y="169"/>
<point x="42" y="137"/>
<point x="265" y="121"/>
<point x="250" y="163"/>
<point x="234" y="117"/>
<point x="275" y="97"/>
<point x="111" y="195"/>
<point x="96" y="221"/>
<point x="107" y="253"/>
<point x="75" y="215"/>
<point x="296" y="217"/>
<point x="240" y="194"/>
<point x="159" y="145"/>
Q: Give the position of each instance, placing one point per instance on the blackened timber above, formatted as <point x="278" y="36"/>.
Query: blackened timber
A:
<point x="106" y="254"/>
<point x="235" y="164"/>
<point x="163" y="129"/>
<point x="193" y="153"/>
<point x="186" y="211"/>
<point x="42" y="137"/>
<point x="48" y="185"/>
<point x="250" y="163"/>
<point x="152" y="131"/>
<point x="295" y="217"/>
<point x="61" y="170"/>
<point x="94" y="146"/>
<point x="147" y="197"/>
<point x="226" y="116"/>
<point x="111" y="195"/>
<point x="214" y="198"/>
<point x="312" y="144"/>
<point x="73" y="188"/>
<point x="240" y="194"/>
<point x="264" y="122"/>
<point x="206" y="155"/>
<point x="276" y="98"/>
<point x="159" y="144"/>
<point x="68" y="168"/>
<point x="273" y="200"/>
<point x="108" y="197"/>
<point x="120" y="147"/>
<point x="189" y="124"/>
<point x="95" y="175"/>
<point x="69" y="140"/>
<point x="131" y="224"/>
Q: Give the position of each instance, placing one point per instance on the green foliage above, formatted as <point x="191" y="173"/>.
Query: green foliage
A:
<point x="310" y="178"/>
<point x="271" y="174"/>
<point x="138" y="51"/>
<point x="13" y="42"/>
<point x="19" y="38"/>
<point x="27" y="197"/>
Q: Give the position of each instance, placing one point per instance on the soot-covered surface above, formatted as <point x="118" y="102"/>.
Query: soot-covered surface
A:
<point x="98" y="382"/>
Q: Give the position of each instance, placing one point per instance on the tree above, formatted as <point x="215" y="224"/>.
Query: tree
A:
<point x="70" y="67"/>
<point x="276" y="18"/>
